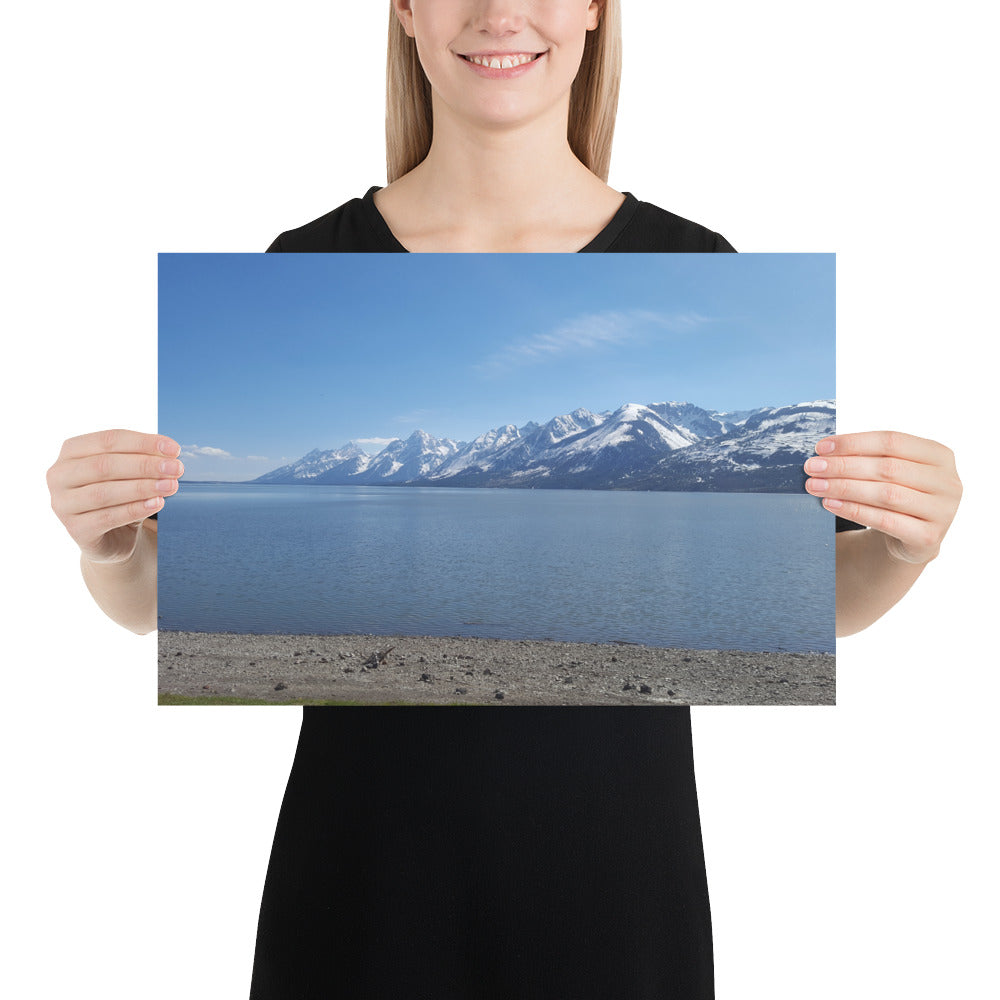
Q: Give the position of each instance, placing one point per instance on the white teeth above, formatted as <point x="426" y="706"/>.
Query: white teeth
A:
<point x="501" y="62"/>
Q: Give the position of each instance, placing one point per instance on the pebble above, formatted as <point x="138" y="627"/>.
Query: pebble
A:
<point x="528" y="668"/>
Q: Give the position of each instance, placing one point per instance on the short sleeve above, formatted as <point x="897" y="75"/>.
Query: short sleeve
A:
<point x="844" y="525"/>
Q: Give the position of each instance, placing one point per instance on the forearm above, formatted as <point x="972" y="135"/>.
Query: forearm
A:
<point x="126" y="591"/>
<point x="870" y="579"/>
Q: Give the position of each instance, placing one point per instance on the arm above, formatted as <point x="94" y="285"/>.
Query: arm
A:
<point x="104" y="487"/>
<point x="126" y="591"/>
<point x="905" y="488"/>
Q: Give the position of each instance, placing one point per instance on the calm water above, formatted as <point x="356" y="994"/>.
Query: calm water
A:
<point x="695" y="570"/>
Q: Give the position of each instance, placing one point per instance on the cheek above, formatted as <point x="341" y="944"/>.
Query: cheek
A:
<point x="432" y="54"/>
<point x="565" y="26"/>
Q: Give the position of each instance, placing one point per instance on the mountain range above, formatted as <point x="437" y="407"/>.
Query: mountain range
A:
<point x="657" y="446"/>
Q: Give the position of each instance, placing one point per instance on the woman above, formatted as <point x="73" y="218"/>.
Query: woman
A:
<point x="497" y="852"/>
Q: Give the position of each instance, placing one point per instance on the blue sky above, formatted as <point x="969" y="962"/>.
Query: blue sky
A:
<point x="264" y="357"/>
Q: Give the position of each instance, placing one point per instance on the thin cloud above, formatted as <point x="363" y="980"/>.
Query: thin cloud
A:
<point x="584" y="334"/>
<point x="207" y="451"/>
<point x="191" y="450"/>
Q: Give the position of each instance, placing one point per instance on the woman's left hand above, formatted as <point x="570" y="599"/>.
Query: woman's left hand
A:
<point x="903" y="486"/>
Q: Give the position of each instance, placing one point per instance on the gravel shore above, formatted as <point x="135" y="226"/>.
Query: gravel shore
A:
<point x="291" y="669"/>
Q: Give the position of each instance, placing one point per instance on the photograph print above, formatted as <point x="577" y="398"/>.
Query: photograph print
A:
<point x="510" y="479"/>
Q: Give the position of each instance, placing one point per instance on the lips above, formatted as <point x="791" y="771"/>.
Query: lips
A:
<point x="501" y="60"/>
<point x="501" y="65"/>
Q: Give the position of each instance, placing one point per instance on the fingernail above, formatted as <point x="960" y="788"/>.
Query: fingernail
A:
<point x="152" y="503"/>
<point x="830" y="504"/>
<point x="166" y="485"/>
<point x="170" y="468"/>
<point x="816" y="465"/>
<point x="169" y="448"/>
<point x="825" y="447"/>
<point x="817" y="485"/>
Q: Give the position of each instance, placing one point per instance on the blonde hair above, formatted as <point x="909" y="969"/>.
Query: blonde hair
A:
<point x="593" y="99"/>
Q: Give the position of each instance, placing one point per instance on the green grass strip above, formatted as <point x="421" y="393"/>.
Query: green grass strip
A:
<point x="226" y="699"/>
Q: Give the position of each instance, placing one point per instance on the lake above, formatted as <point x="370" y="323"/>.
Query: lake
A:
<point x="690" y="570"/>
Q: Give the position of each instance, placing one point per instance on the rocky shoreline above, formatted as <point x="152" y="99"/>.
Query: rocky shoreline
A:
<point x="292" y="669"/>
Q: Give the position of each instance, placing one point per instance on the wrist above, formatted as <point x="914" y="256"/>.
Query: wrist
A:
<point x="117" y="548"/>
<point x="126" y="591"/>
<point x="905" y="555"/>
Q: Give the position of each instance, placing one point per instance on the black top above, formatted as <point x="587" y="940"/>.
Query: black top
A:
<point x="473" y="853"/>
<point x="637" y="227"/>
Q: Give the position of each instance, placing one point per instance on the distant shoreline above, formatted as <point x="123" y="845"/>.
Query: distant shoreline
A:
<point x="291" y="669"/>
<point x="798" y="490"/>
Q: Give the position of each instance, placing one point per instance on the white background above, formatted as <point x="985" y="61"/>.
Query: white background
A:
<point x="851" y="851"/>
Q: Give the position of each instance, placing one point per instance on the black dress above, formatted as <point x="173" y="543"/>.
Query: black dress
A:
<point x="472" y="853"/>
<point x="638" y="227"/>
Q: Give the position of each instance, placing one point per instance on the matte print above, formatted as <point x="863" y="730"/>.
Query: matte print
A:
<point x="558" y="479"/>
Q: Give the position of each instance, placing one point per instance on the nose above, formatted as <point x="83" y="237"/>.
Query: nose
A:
<point x="499" y="17"/>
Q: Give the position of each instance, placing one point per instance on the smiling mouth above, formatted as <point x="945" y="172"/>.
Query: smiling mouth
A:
<point x="497" y="60"/>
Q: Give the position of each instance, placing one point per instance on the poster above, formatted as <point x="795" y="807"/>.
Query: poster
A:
<point x="400" y="489"/>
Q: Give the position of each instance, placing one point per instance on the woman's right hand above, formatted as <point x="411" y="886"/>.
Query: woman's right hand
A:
<point x="104" y="485"/>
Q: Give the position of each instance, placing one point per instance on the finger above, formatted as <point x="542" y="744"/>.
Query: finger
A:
<point x="913" y="532"/>
<point x="883" y="496"/>
<point x="120" y="441"/>
<point x="111" y="467"/>
<point x="89" y="529"/>
<point x="883" y="469"/>
<point x="98" y="496"/>
<point x="887" y="443"/>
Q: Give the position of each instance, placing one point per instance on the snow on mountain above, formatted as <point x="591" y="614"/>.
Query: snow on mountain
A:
<point x="319" y="465"/>
<point x="560" y="428"/>
<point x="403" y="461"/>
<point x="658" y="446"/>
<point x="764" y="453"/>
<point x="480" y="453"/>
<point x="508" y="450"/>
<point x="398" y="462"/>
<point x="631" y="422"/>
<point x="691" y="418"/>
<point x="603" y="456"/>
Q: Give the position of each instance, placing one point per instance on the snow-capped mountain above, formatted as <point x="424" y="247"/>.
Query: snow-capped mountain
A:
<point x="398" y="462"/>
<point x="334" y="466"/>
<point x="656" y="446"/>
<point x="763" y="453"/>
<point x="633" y="437"/>
<point x="480" y="453"/>
<point x="509" y="449"/>
<point x="404" y="461"/>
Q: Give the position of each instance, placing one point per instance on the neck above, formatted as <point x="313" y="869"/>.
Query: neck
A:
<point x="499" y="176"/>
<point x="498" y="188"/>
